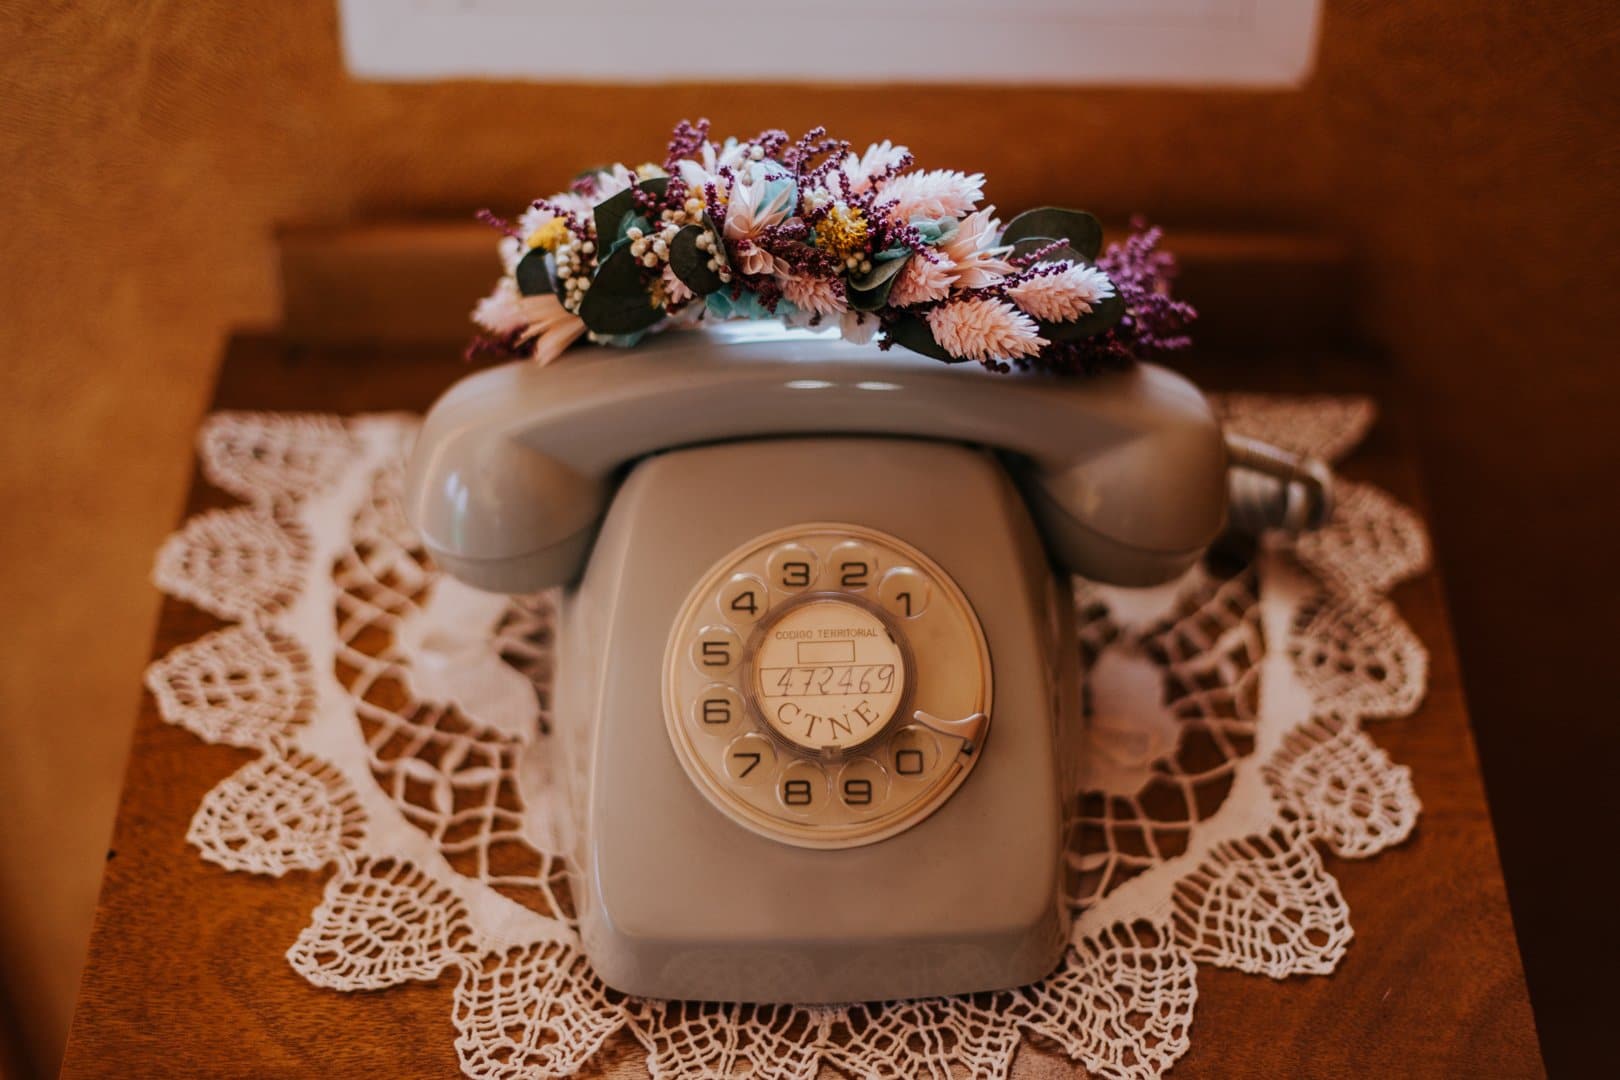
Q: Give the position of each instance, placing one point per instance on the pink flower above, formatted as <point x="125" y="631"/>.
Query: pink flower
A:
<point x="984" y="329"/>
<point x="755" y="205"/>
<point x="977" y="263"/>
<point x="675" y="290"/>
<point x="1064" y="296"/>
<point x="938" y="193"/>
<point x="553" y="331"/>
<point x="818" y="296"/>
<point x="542" y="319"/>
<point x="923" y="280"/>
<point x="506" y="310"/>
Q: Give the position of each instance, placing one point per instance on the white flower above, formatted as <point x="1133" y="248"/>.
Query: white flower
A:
<point x="512" y="251"/>
<point x="1064" y="296"/>
<point x="705" y="169"/>
<point x="858" y="327"/>
<point x="878" y="158"/>
<point x="985" y="329"/>
<point x="977" y="262"/>
<point x="756" y="204"/>
<point x="940" y="193"/>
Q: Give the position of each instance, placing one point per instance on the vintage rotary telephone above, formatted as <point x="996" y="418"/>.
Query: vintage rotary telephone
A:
<point x="817" y="691"/>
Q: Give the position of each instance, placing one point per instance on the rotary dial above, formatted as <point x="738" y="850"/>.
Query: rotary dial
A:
<point x="827" y="686"/>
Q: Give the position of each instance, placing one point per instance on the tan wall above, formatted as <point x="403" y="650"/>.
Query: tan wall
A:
<point x="147" y="149"/>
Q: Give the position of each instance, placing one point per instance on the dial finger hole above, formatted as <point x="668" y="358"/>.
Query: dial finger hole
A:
<point x="802" y="789"/>
<point x="751" y="760"/>
<point x="716" y="650"/>
<point x="718" y="710"/>
<point x="792" y="568"/>
<point x="852" y="566"/>
<point x="863" y="785"/>
<point x="743" y="599"/>
<point x="904" y="592"/>
<point x="913" y="752"/>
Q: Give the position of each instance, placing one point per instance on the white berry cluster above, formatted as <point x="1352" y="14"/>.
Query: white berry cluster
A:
<point x="717" y="257"/>
<point x="690" y="213"/>
<point x="652" y="249"/>
<point x="573" y="270"/>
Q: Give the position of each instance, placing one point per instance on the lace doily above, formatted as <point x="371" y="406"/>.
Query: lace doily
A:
<point x="401" y="722"/>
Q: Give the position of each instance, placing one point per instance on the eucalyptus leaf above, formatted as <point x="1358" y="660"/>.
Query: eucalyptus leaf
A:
<point x="881" y="273"/>
<point x="617" y="301"/>
<point x="632" y="221"/>
<point x="533" y="275"/>
<point x="867" y="300"/>
<point x="691" y="263"/>
<point x="1104" y="315"/>
<point x="870" y="291"/>
<point x="911" y="332"/>
<point x="610" y="212"/>
<point x="1080" y="229"/>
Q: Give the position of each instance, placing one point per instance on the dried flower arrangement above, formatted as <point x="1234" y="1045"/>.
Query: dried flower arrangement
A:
<point x="808" y="232"/>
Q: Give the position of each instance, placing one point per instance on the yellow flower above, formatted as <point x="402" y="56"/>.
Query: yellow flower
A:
<point x="843" y="232"/>
<point x="549" y="235"/>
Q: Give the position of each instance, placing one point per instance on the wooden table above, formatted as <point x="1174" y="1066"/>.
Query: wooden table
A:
<point x="186" y="977"/>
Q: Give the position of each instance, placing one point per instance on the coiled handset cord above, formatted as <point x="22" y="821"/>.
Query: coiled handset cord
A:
<point x="1271" y="488"/>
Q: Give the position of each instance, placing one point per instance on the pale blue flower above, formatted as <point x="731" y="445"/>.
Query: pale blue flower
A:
<point x="934" y="230"/>
<point x="746" y="306"/>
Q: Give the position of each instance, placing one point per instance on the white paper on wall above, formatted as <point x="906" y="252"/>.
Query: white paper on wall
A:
<point x="1256" y="43"/>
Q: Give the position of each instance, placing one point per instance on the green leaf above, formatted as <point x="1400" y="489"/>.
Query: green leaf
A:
<point x="1104" y="314"/>
<point x="911" y="332"/>
<point x="870" y="291"/>
<point x="533" y="275"/>
<point x="617" y="301"/>
<point x="881" y="273"/>
<point x="1080" y="229"/>
<point x="610" y="212"/>
<point x="632" y="221"/>
<point x="691" y="263"/>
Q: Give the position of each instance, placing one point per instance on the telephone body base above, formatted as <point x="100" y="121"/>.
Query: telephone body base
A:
<point x="675" y="899"/>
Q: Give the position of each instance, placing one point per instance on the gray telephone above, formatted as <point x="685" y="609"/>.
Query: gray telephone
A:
<point x="817" y="681"/>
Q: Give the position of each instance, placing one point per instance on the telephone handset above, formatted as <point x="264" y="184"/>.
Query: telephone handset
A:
<point x="828" y="570"/>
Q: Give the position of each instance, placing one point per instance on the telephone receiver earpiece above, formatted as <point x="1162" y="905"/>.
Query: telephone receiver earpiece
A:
<point x="1126" y="472"/>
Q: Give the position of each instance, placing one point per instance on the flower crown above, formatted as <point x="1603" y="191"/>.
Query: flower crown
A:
<point x="812" y="234"/>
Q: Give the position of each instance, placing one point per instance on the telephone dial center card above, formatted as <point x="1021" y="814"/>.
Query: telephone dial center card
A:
<point x="827" y="686"/>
